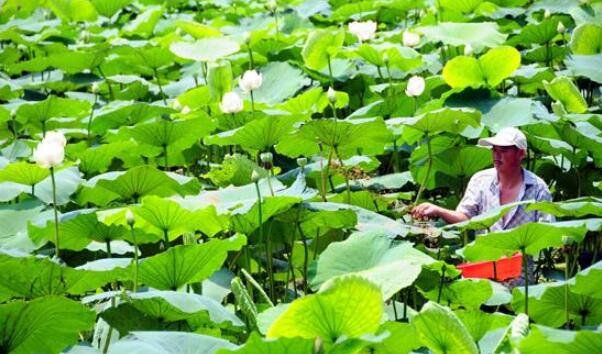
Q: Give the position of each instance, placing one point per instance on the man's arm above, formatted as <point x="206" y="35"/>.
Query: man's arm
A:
<point x="430" y="210"/>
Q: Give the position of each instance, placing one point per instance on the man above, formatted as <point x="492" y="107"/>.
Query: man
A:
<point x="507" y="182"/>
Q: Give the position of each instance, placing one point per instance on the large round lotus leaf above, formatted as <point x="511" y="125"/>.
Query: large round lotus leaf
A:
<point x="587" y="66"/>
<point x="67" y="181"/>
<point x="563" y="89"/>
<point x="587" y="281"/>
<point x="587" y="39"/>
<point x="144" y="24"/>
<point x="207" y="49"/>
<point x="542" y="340"/>
<point x="168" y="343"/>
<point x="350" y="306"/>
<point x="256" y="345"/>
<point x="575" y="207"/>
<point x="73" y="10"/>
<point x="320" y="45"/>
<point x="45" y="325"/>
<point x="166" y="216"/>
<point x="24" y="173"/>
<point x="478" y="35"/>
<point x="537" y="33"/>
<point x="490" y="69"/>
<point x="453" y="120"/>
<point x="274" y="89"/>
<point x="108" y="8"/>
<point x="440" y="330"/>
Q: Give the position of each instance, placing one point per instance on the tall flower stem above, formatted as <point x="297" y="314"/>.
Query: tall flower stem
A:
<point x="252" y="105"/>
<point x="56" y="214"/>
<point x="428" y="169"/>
<point x="135" y="258"/>
<point x="266" y="241"/>
<point x="330" y="71"/>
<point x="91" y="117"/>
<point x="159" y="84"/>
<point x="347" y="187"/>
<point x="566" y="290"/>
<point x="526" y="276"/>
<point x="441" y="280"/>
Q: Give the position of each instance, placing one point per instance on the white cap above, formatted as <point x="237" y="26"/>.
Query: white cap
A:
<point x="508" y="136"/>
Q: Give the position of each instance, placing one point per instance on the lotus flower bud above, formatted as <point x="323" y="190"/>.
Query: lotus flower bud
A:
<point x="13" y="113"/>
<point x="95" y="88"/>
<point x="266" y="157"/>
<point x="363" y="30"/>
<point x="185" y="110"/>
<point x="302" y="162"/>
<point x="271" y="5"/>
<point x="560" y="28"/>
<point x="48" y="154"/>
<point x="231" y="103"/>
<point x="410" y="39"/>
<point x="415" y="87"/>
<point x="55" y="137"/>
<point x="246" y="36"/>
<point x="129" y="217"/>
<point x="547" y="14"/>
<point x="250" y="81"/>
<point x="255" y="176"/>
<point x="175" y="104"/>
<point x="467" y="49"/>
<point x="332" y="95"/>
<point x="386" y="58"/>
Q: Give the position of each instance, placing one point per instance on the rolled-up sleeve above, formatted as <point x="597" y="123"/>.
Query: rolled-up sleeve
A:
<point x="471" y="203"/>
<point x="543" y="194"/>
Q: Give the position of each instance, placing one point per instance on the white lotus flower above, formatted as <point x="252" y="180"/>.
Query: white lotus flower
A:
<point x="410" y="39"/>
<point x="363" y="30"/>
<point x="175" y="104"/>
<point x="55" y="137"/>
<point x="95" y="87"/>
<point x="547" y="14"/>
<point x="251" y="80"/>
<point x="49" y="154"/>
<point x="185" y="110"/>
<point x="332" y="95"/>
<point x="560" y="28"/>
<point x="468" y="49"/>
<point x="129" y="217"/>
<point x="231" y="103"/>
<point x="255" y="176"/>
<point x="519" y="327"/>
<point x="415" y="87"/>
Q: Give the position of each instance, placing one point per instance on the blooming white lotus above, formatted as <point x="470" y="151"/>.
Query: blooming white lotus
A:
<point x="251" y="80"/>
<point x="416" y="86"/>
<point x="55" y="137"/>
<point x="48" y="154"/>
<point x="410" y="39"/>
<point x="363" y="30"/>
<point x="231" y="103"/>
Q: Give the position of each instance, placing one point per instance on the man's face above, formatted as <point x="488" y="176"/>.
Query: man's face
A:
<point x="507" y="158"/>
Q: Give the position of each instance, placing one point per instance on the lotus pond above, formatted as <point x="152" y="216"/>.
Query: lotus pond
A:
<point x="226" y="176"/>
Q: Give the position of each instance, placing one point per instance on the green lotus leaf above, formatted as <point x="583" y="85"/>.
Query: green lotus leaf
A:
<point x="24" y="173"/>
<point x="73" y="10"/>
<point x="543" y="340"/>
<point x="510" y="112"/>
<point x="320" y="46"/>
<point x="39" y="113"/>
<point x="587" y="39"/>
<point x="273" y="89"/>
<point x="11" y="190"/>
<point x="185" y="264"/>
<point x="67" y="182"/>
<point x="402" y="339"/>
<point x="478" y="35"/>
<point x="462" y="162"/>
<point x="152" y="57"/>
<point x="393" y="181"/>
<point x="48" y="324"/>
<point x="439" y="329"/>
<point x="470" y="293"/>
<point x="219" y="79"/>
<point x="586" y="281"/>
<point x="256" y="344"/>
<point x="349" y="306"/>
<point x="547" y="305"/>
<point x="119" y="113"/>
<point x="347" y="136"/>
<point x="13" y="234"/>
<point x="108" y="8"/>
<point x="198" y="30"/>
<point x="95" y="159"/>
<point x="479" y="323"/>
<point x="562" y="89"/>
<point x="169" y="343"/>
<point x="258" y="135"/>
<point x="30" y="277"/>
<point x="235" y="171"/>
<point x="453" y="120"/>
<point x="585" y="66"/>
<point x="75" y="61"/>
<point x="533" y="237"/>
<point x="373" y="256"/>
<point x="207" y="49"/>
<point x="490" y="69"/>
<point x="537" y="33"/>
<point x="135" y="183"/>
<point x="270" y="206"/>
<point x="486" y="220"/>
<point x="575" y="207"/>
<point x="166" y="217"/>
<point x="144" y="24"/>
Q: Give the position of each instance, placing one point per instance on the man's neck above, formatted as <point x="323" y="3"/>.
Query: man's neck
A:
<point x="511" y="179"/>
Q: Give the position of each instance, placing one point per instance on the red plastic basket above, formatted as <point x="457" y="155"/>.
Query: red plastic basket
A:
<point x="503" y="269"/>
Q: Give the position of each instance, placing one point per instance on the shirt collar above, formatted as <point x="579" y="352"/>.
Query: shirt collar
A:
<point x="528" y="180"/>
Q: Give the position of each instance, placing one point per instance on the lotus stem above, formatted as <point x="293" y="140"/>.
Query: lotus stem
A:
<point x="441" y="283"/>
<point x="159" y="84"/>
<point x="305" y="257"/>
<point x="251" y="61"/>
<point x="390" y="79"/>
<point x="56" y="215"/>
<point x="380" y="73"/>
<point x="252" y="105"/>
<point x="394" y="307"/>
<point x="91" y="117"/>
<point x="266" y="241"/>
<point x="405" y="304"/>
<point x="270" y="174"/>
<point x="428" y="170"/>
<point x="347" y="187"/>
<point x="166" y="239"/>
<point x="526" y="275"/>
<point x="111" y="93"/>
<point x="566" y="290"/>
<point x="135" y="258"/>
<point x="165" y="156"/>
<point x="108" y="242"/>
<point x="330" y="70"/>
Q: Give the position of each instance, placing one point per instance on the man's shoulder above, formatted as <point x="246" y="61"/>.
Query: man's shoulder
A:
<point x="485" y="175"/>
<point x="536" y="180"/>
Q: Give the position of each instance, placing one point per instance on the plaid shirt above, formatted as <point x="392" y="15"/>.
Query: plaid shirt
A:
<point x="483" y="191"/>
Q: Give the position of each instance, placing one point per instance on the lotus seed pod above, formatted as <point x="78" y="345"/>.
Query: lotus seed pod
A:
<point x="302" y="162"/>
<point x="332" y="95"/>
<point x="255" y="176"/>
<point x="129" y="217"/>
<point x="415" y="87"/>
<point x="266" y="157"/>
<point x="560" y="28"/>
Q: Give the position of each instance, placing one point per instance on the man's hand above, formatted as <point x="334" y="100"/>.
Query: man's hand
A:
<point x="425" y="210"/>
